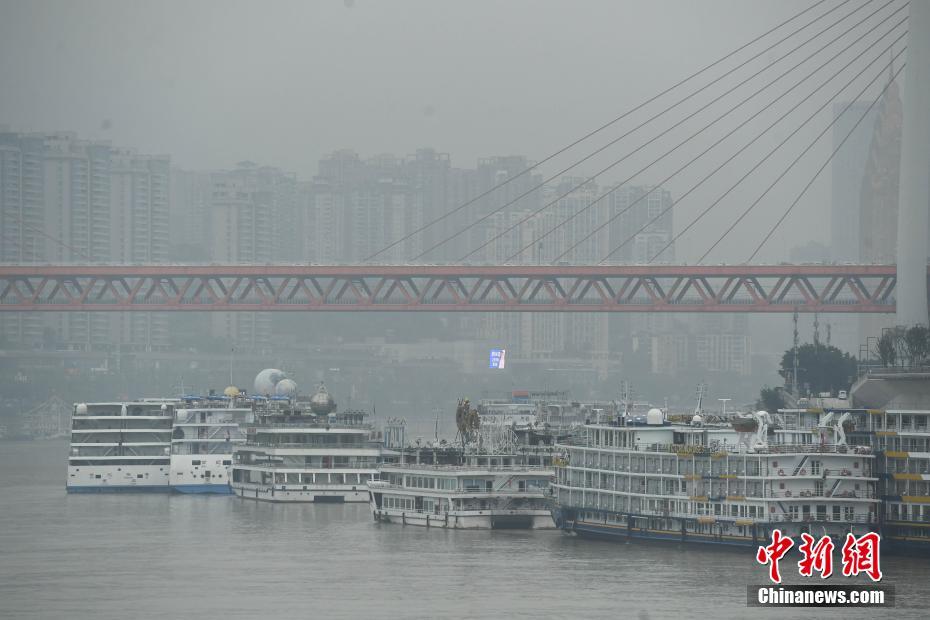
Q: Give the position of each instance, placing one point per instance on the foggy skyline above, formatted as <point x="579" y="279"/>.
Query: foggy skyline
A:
<point x="213" y="84"/>
<point x="222" y="82"/>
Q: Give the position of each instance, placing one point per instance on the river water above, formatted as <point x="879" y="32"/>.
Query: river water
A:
<point x="158" y="556"/>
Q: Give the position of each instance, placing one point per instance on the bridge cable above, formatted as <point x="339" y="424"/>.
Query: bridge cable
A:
<point x="640" y="147"/>
<point x="826" y="163"/>
<point x="758" y="136"/>
<point x="612" y="122"/>
<point x="796" y="160"/>
<point x="673" y="149"/>
<point x="60" y="242"/>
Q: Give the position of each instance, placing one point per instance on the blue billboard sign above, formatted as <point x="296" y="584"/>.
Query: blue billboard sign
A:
<point x="498" y="359"/>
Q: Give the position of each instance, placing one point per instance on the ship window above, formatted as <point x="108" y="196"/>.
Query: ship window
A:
<point x="97" y="476"/>
<point x="227" y="462"/>
<point x="138" y="475"/>
<point x="195" y="462"/>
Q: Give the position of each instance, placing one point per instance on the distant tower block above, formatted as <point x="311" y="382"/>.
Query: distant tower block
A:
<point x="914" y="201"/>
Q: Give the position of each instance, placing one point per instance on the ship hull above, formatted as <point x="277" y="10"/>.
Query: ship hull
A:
<point x="624" y="527"/>
<point x="118" y="489"/>
<point x="470" y="520"/>
<point x="622" y="533"/>
<point x="327" y="495"/>
<point x="202" y="489"/>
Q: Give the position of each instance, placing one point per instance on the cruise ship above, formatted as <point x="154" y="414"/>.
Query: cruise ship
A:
<point x="204" y="434"/>
<point x="121" y="446"/>
<point x="312" y="454"/>
<point x="495" y="480"/>
<point x="902" y="437"/>
<point x="727" y="483"/>
<point x="465" y="496"/>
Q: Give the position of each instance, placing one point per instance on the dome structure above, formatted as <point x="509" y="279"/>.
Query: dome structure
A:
<point x="285" y="387"/>
<point x="654" y="417"/>
<point x="322" y="403"/>
<point x="232" y="391"/>
<point x="266" y="380"/>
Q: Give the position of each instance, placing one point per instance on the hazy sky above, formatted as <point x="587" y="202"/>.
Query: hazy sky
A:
<point x="282" y="83"/>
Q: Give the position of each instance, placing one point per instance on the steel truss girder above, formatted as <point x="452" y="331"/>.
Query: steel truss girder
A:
<point x="387" y="288"/>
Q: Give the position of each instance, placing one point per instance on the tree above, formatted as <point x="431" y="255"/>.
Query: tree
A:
<point x="917" y="344"/>
<point x="822" y="368"/>
<point x="888" y="348"/>
<point x="770" y="399"/>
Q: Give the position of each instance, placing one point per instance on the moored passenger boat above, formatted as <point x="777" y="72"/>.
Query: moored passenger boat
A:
<point x="717" y="484"/>
<point x="295" y="455"/>
<point x="467" y="496"/>
<point x="902" y="437"/>
<point x="120" y="446"/>
<point x="493" y="479"/>
<point x="205" y="432"/>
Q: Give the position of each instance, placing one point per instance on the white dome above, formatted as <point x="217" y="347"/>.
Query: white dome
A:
<point x="697" y="420"/>
<point x="267" y="379"/>
<point x="81" y="409"/>
<point x="285" y="387"/>
<point x="654" y="416"/>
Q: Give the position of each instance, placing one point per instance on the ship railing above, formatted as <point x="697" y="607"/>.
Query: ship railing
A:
<point x="410" y="467"/>
<point x="771" y="518"/>
<point x="813" y="518"/>
<point x="317" y="446"/>
<point x="727" y="449"/>
<point x="471" y="490"/>
<point x="789" y="494"/>
<point x="280" y="465"/>
<point x="333" y="426"/>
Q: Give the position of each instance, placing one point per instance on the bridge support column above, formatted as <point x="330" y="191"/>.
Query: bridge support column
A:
<point x="914" y="189"/>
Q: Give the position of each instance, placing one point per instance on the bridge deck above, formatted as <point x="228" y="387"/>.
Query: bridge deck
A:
<point x="429" y="288"/>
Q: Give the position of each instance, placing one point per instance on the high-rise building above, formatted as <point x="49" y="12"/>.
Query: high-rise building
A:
<point x="878" y="197"/>
<point x="723" y="343"/>
<point x="642" y="225"/>
<point x="253" y="215"/>
<point x="848" y="168"/>
<point x="572" y="218"/>
<point x="354" y="209"/>
<point x="66" y="200"/>
<point x="189" y="216"/>
<point x="22" y="220"/>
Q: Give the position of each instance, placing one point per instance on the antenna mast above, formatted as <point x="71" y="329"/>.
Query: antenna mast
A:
<point x="794" y="380"/>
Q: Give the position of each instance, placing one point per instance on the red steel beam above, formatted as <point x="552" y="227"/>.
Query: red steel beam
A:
<point x="443" y="288"/>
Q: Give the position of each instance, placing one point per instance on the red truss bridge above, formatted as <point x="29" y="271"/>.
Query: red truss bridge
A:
<point x="423" y="288"/>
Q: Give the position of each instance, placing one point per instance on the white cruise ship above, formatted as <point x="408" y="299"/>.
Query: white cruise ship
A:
<point x="727" y="484"/>
<point x="205" y="432"/>
<point x="468" y="496"/>
<point x="120" y="446"/>
<point x="295" y="455"/>
<point x="498" y="478"/>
